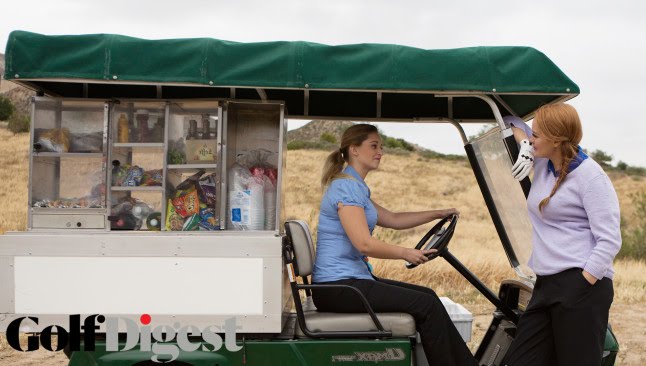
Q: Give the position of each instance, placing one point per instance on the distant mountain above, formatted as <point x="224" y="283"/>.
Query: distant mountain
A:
<point x="326" y="135"/>
<point x="1" y="65"/>
<point x="313" y="131"/>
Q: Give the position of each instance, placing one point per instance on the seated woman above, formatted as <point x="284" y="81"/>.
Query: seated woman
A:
<point x="344" y="241"/>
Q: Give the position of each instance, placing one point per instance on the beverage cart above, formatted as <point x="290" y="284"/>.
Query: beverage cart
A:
<point x="156" y="200"/>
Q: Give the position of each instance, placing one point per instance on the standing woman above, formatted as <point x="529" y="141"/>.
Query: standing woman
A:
<point x="574" y="212"/>
<point x="344" y="241"/>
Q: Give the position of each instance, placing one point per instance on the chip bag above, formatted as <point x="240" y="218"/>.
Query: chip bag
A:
<point x="187" y="203"/>
<point x="174" y="221"/>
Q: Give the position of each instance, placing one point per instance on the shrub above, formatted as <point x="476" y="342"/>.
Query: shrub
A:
<point x="296" y="145"/>
<point x="18" y="123"/>
<point x="393" y="143"/>
<point x="622" y="166"/>
<point x="328" y="137"/>
<point x="300" y="144"/>
<point x="601" y="157"/>
<point x="6" y="108"/>
<point x="430" y="154"/>
<point x="634" y="238"/>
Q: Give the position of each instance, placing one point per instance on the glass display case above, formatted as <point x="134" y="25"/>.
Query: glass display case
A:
<point x="136" y="173"/>
<point x="193" y="166"/>
<point x="67" y="164"/>
<point x="150" y="165"/>
<point x="254" y="160"/>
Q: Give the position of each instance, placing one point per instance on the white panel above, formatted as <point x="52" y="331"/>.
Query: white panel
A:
<point x="126" y="285"/>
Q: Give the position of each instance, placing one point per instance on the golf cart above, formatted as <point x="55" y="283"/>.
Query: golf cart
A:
<point x="128" y="200"/>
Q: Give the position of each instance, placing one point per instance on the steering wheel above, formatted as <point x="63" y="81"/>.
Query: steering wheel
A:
<point x="438" y="238"/>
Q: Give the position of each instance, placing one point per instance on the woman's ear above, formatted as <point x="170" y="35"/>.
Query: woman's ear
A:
<point x="353" y="150"/>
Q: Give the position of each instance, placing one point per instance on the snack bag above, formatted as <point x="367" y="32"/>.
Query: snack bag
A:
<point x="208" y="222"/>
<point x="207" y="191"/>
<point x="191" y="223"/>
<point x="152" y="178"/>
<point x="187" y="203"/>
<point x="55" y="140"/>
<point x="174" y="221"/>
<point x="133" y="177"/>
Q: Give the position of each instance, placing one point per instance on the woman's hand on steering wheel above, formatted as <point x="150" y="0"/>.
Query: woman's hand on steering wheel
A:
<point x="451" y="211"/>
<point x="416" y="256"/>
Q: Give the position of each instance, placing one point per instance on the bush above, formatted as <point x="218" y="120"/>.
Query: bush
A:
<point x="430" y="154"/>
<point x="300" y="144"/>
<point x="6" y="108"/>
<point x="393" y="143"/>
<point x="601" y="157"/>
<point x="296" y="145"/>
<point x="634" y="238"/>
<point x="622" y="166"/>
<point x="18" y="123"/>
<point x="328" y="137"/>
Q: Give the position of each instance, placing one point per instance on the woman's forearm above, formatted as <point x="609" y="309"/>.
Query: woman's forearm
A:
<point x="407" y="220"/>
<point x="376" y="248"/>
<point x="519" y="134"/>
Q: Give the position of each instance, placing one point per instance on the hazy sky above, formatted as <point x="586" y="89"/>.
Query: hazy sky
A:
<point x="599" y="44"/>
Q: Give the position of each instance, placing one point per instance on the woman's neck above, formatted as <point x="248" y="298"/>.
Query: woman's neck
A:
<point x="363" y="172"/>
<point x="556" y="160"/>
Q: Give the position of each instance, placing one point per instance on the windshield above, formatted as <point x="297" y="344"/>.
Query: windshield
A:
<point x="504" y="197"/>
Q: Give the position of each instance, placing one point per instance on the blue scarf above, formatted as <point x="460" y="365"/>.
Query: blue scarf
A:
<point x="576" y="161"/>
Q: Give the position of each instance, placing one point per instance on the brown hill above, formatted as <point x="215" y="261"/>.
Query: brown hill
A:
<point x="314" y="130"/>
<point x="321" y="134"/>
<point x="19" y="96"/>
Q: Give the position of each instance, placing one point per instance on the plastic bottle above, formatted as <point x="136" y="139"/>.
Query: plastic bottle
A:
<point x="123" y="128"/>
<point x="192" y="130"/>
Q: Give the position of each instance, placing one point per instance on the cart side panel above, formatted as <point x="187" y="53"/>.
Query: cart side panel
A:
<point x="200" y="280"/>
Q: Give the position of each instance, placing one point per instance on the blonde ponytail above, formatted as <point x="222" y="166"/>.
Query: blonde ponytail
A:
<point x="333" y="167"/>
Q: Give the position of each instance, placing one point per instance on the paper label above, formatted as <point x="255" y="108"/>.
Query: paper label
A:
<point x="239" y="202"/>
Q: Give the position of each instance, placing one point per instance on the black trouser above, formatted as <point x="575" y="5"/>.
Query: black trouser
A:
<point x="565" y="322"/>
<point x="442" y="343"/>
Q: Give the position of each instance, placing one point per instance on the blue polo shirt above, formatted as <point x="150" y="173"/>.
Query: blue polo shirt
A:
<point x="336" y="257"/>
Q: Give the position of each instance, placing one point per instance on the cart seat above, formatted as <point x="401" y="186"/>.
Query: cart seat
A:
<point x="400" y="324"/>
<point x="324" y="324"/>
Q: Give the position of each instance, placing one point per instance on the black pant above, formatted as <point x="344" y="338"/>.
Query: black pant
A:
<point x="565" y="322"/>
<point x="442" y="343"/>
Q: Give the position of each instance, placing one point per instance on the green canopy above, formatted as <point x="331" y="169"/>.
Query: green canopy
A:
<point x="354" y="81"/>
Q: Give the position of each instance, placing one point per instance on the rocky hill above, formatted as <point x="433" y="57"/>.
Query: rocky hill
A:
<point x="313" y="131"/>
<point x="19" y="96"/>
<point x="326" y="135"/>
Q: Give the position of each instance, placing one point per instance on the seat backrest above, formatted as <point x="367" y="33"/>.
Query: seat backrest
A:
<point x="301" y="239"/>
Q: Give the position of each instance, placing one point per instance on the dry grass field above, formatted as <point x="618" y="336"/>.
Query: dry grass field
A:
<point x="404" y="182"/>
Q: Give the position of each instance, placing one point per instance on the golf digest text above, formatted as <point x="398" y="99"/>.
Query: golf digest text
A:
<point x="155" y="340"/>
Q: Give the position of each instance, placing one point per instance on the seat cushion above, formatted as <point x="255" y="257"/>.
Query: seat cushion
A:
<point x="400" y="324"/>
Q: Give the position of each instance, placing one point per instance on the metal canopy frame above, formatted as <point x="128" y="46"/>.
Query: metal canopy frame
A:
<point x="492" y="101"/>
<point x="305" y="103"/>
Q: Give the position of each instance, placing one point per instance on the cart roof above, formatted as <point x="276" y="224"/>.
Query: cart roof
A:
<point x="367" y="81"/>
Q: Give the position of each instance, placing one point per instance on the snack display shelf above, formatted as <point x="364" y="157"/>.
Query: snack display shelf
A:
<point x="138" y="188"/>
<point x="191" y="166"/>
<point x="67" y="155"/>
<point x="137" y="144"/>
<point x="52" y="210"/>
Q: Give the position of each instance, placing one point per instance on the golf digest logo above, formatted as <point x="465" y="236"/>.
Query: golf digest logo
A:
<point x="155" y="340"/>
